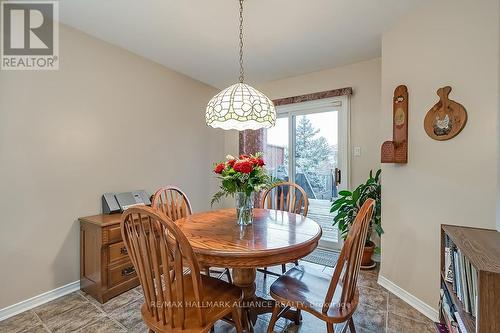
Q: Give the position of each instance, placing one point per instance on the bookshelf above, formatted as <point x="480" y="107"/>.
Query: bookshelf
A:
<point x="480" y="248"/>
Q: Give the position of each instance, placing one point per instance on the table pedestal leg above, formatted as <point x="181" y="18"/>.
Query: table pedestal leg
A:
<point x="245" y="279"/>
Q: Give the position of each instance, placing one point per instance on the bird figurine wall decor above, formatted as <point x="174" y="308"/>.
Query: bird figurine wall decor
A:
<point x="446" y="118"/>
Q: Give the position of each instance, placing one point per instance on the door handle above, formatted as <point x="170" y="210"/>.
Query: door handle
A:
<point x="338" y="176"/>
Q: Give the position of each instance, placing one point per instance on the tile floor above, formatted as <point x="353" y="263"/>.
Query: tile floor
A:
<point x="379" y="311"/>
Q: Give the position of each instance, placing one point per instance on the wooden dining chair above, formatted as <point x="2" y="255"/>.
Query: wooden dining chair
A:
<point x="174" y="301"/>
<point x="303" y="289"/>
<point x="174" y="203"/>
<point x="288" y="197"/>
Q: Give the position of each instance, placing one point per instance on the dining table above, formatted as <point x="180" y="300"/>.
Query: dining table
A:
<point x="274" y="238"/>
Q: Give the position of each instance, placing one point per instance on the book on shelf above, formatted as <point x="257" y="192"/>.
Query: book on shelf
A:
<point x="474" y="289"/>
<point x="470" y="288"/>
<point x="458" y="283"/>
<point x="460" y="324"/>
<point x="465" y="291"/>
<point x="448" y="312"/>
<point x="470" y="280"/>
<point x="448" y="271"/>
<point x="463" y="278"/>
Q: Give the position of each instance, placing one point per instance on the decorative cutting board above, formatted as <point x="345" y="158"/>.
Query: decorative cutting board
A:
<point x="446" y="118"/>
<point x="396" y="151"/>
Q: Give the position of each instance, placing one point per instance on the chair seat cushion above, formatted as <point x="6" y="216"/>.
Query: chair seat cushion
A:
<point x="306" y="288"/>
<point x="219" y="298"/>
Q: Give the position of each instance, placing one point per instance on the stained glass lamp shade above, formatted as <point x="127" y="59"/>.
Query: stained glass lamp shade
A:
<point x="240" y="107"/>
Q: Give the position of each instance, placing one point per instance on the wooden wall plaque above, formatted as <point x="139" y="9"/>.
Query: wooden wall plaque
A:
<point x="396" y="151"/>
<point x="446" y="118"/>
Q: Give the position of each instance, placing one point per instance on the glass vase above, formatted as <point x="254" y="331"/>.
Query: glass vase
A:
<point x="244" y="208"/>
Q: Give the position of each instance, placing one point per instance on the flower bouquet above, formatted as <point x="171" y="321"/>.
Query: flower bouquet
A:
<point x="241" y="178"/>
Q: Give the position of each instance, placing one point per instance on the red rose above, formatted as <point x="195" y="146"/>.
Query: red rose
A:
<point x="257" y="161"/>
<point x="219" y="168"/>
<point x="243" y="156"/>
<point x="231" y="162"/>
<point x="243" y="166"/>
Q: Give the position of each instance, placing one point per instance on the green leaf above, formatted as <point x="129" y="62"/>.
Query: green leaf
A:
<point x="356" y="193"/>
<point x="217" y="196"/>
<point x="345" y="193"/>
<point x="336" y="205"/>
<point x="340" y="200"/>
<point x="378" y="229"/>
<point x="340" y="216"/>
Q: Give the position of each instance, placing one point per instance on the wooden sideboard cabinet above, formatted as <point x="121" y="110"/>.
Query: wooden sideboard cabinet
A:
<point x="105" y="267"/>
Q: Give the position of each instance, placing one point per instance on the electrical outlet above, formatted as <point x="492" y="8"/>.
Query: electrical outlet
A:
<point x="357" y="151"/>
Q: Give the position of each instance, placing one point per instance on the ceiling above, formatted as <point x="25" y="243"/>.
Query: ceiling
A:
<point x="199" y="38"/>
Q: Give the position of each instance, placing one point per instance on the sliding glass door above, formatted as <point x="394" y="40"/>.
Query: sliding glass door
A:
<point x="308" y="146"/>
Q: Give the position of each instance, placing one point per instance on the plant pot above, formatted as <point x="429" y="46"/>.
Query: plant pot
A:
<point x="366" y="259"/>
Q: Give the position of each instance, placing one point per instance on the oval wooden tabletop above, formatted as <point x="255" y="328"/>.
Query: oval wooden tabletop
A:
<point x="275" y="237"/>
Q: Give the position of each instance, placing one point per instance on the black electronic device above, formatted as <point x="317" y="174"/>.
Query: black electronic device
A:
<point x="114" y="203"/>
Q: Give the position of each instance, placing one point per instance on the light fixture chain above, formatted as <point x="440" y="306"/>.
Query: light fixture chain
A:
<point x="242" y="74"/>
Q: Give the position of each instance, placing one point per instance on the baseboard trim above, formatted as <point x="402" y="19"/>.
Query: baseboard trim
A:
<point x="416" y="303"/>
<point x="48" y="296"/>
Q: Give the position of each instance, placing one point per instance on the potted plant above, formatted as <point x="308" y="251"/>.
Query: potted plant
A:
<point x="241" y="178"/>
<point x="347" y="207"/>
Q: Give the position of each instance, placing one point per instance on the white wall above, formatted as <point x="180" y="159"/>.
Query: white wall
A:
<point x="364" y="78"/>
<point x="107" y="121"/>
<point x="447" y="42"/>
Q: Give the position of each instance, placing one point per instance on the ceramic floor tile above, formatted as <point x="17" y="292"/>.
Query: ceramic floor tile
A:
<point x="103" y="325"/>
<point x="374" y="298"/>
<point x="261" y="326"/>
<point x="263" y="285"/>
<point x="368" y="279"/>
<point x="370" y="319"/>
<point x="281" y="323"/>
<point x="399" y="324"/>
<point x="129" y="315"/>
<point x="309" y="324"/>
<point x="309" y="265"/>
<point x="60" y="305"/>
<point x="401" y="308"/>
<point x="328" y="270"/>
<point x="139" y="327"/>
<point x="20" y="322"/>
<point x="138" y="289"/>
<point x="72" y="320"/>
<point x="118" y="301"/>
<point x="223" y="327"/>
<point x="37" y="329"/>
<point x="79" y="312"/>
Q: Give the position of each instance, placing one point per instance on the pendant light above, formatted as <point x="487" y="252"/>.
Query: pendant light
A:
<point x="240" y="106"/>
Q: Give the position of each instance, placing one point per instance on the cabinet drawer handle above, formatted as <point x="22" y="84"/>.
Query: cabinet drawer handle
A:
<point x="123" y="250"/>
<point x="128" y="271"/>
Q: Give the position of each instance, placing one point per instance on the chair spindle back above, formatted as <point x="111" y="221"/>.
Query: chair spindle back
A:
<point x="160" y="251"/>
<point x="350" y="257"/>
<point x="286" y="196"/>
<point x="172" y="201"/>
